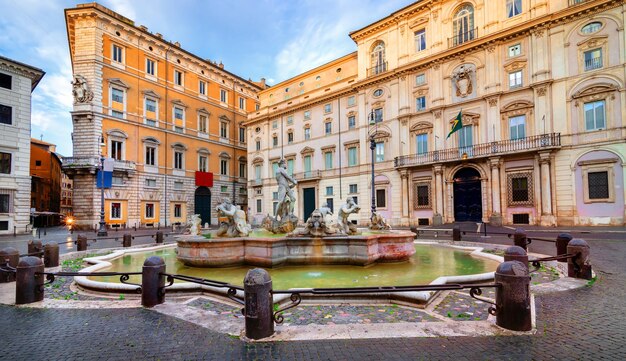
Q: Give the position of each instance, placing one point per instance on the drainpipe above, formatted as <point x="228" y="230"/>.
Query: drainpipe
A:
<point x="165" y="122"/>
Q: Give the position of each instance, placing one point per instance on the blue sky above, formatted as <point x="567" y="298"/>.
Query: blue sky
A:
<point x="271" y="39"/>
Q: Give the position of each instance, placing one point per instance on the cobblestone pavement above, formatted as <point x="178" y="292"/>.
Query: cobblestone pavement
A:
<point x="582" y="324"/>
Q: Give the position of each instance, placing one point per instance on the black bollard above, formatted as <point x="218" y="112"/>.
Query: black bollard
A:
<point x="51" y="255"/>
<point x="152" y="282"/>
<point x="11" y="256"/>
<point x="127" y="240"/>
<point x="513" y="296"/>
<point x="561" y="244"/>
<point x="516" y="253"/>
<point x="81" y="243"/>
<point x="29" y="284"/>
<point x="159" y="237"/>
<point x="258" y="304"/>
<point x="456" y="233"/>
<point x="35" y="248"/>
<point x="579" y="266"/>
<point x="520" y="239"/>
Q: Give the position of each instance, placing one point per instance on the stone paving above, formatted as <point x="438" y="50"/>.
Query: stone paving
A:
<point x="584" y="324"/>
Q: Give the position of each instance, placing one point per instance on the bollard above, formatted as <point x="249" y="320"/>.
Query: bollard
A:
<point x="579" y="266"/>
<point x="51" y="255"/>
<point x="456" y="233"/>
<point x="520" y="239"/>
<point x="258" y="304"/>
<point x="561" y="244"/>
<point x="29" y="284"/>
<point x="127" y="240"/>
<point x="513" y="296"/>
<point x="516" y="253"/>
<point x="159" y="237"/>
<point x="153" y="282"/>
<point x="35" y="248"/>
<point x="81" y="243"/>
<point x="11" y="256"/>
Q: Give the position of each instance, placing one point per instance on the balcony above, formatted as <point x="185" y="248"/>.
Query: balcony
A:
<point x="462" y="38"/>
<point x="378" y="69"/>
<point x="308" y="176"/>
<point x="91" y="164"/>
<point x="516" y="146"/>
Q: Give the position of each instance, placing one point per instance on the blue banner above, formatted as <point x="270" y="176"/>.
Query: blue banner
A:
<point x="108" y="179"/>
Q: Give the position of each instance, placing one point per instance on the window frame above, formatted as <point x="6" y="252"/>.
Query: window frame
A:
<point x="530" y="184"/>
<point x="419" y="38"/>
<point x="595" y="123"/>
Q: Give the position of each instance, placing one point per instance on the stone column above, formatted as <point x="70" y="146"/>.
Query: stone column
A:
<point x="547" y="218"/>
<point x="438" y="216"/>
<point x="496" y="208"/>
<point x="404" y="175"/>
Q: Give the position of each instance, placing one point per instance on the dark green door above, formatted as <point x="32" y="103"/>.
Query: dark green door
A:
<point x="202" y="204"/>
<point x="467" y="196"/>
<point x="309" y="202"/>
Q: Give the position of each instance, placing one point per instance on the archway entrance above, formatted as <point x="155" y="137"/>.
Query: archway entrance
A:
<point x="202" y="204"/>
<point x="467" y="196"/>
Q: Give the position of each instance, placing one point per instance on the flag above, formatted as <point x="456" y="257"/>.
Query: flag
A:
<point x="457" y="124"/>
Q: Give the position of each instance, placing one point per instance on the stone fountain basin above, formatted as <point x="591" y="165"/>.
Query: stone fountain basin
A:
<point x="272" y="251"/>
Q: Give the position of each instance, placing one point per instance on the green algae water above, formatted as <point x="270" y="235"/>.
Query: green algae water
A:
<point x="428" y="263"/>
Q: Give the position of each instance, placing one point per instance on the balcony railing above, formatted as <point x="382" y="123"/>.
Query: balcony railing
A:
<point x="593" y="63"/>
<point x="310" y="175"/>
<point x="89" y="162"/>
<point x="378" y="69"/>
<point x="537" y="142"/>
<point x="463" y="38"/>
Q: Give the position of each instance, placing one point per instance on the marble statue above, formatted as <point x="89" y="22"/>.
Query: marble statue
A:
<point x="344" y="212"/>
<point x="235" y="224"/>
<point x="283" y="221"/>
<point x="194" y="226"/>
<point x="378" y="222"/>
<point x="315" y="226"/>
<point x="80" y="90"/>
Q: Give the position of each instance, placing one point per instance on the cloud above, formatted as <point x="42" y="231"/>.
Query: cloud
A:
<point x="123" y="7"/>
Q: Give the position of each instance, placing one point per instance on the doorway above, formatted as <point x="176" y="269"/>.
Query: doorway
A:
<point x="202" y="204"/>
<point x="467" y="196"/>
<point x="308" y="195"/>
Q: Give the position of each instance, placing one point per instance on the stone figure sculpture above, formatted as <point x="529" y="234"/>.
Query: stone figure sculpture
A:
<point x="80" y="90"/>
<point x="378" y="222"/>
<point x="342" y="217"/>
<point x="463" y="81"/>
<point x="315" y="226"/>
<point x="194" y="225"/>
<point x="284" y="220"/>
<point x="233" y="223"/>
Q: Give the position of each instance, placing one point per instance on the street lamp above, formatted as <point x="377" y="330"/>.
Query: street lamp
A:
<point x="102" y="231"/>
<point x="372" y="135"/>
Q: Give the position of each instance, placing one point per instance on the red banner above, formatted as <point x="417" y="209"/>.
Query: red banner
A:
<point x="204" y="179"/>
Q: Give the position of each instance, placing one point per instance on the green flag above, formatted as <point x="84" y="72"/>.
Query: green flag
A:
<point x="457" y="124"/>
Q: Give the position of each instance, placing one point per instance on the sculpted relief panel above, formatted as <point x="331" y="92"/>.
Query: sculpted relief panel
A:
<point x="463" y="82"/>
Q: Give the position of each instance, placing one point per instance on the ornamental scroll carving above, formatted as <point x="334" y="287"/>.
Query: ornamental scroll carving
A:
<point x="80" y="90"/>
<point x="462" y="79"/>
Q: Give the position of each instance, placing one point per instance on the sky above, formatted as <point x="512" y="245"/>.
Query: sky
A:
<point x="272" y="39"/>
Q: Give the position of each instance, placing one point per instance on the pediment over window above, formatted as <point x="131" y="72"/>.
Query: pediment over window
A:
<point x="257" y="160"/>
<point x="179" y="146"/>
<point x="242" y="159"/>
<point x="307" y="150"/>
<point x="151" y="94"/>
<point x="378" y="104"/>
<point x="179" y="103"/>
<point x="420" y="92"/>
<point x="515" y="65"/>
<point x="593" y="42"/>
<point x="517" y="105"/>
<point x="417" y="22"/>
<point x="468" y="119"/>
<point x="351" y="113"/>
<point x="117" y="133"/>
<point x="224" y="155"/>
<point x="381" y="134"/>
<point x="224" y="118"/>
<point x="118" y="82"/>
<point x="150" y="140"/>
<point x="204" y="150"/>
<point x="203" y="110"/>
<point x="422" y="127"/>
<point x="595" y="90"/>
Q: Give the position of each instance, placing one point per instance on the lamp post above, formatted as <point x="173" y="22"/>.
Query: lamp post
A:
<point x="372" y="122"/>
<point x="102" y="231"/>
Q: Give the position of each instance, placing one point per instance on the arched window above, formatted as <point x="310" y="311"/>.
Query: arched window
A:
<point x="379" y="64"/>
<point x="463" y="25"/>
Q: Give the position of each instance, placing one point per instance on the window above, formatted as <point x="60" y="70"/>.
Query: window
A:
<point x="378" y="115"/>
<point x="242" y="135"/>
<point x="257" y="172"/>
<point x="351" y="100"/>
<point x="519" y="189"/>
<point x="513" y="8"/>
<point x="352" y="157"/>
<point x="117" y="180"/>
<point x="515" y="50"/>
<point x="515" y="79"/>
<point x="422" y="196"/>
<point x="307" y="165"/>
<point x="151" y="105"/>
<point x="329" y="191"/>
<point x="116" y="150"/>
<point x="150" y="70"/>
<point x="118" y="54"/>
<point x="465" y="137"/>
<point x="117" y="114"/>
<point x="150" y="182"/>
<point x="593" y="59"/>
<point x="595" y="115"/>
<point x="420" y="103"/>
<point x="420" y="40"/>
<point x="351" y="122"/>
<point x="258" y="145"/>
<point x="353" y="188"/>
<point x="117" y="95"/>
<point x="257" y="106"/>
<point x="6" y="113"/>
<point x="178" y="160"/>
<point x="202" y="163"/>
<point x="178" y="78"/>
<point x="202" y="87"/>
<point x="463" y="25"/>
<point x="242" y="170"/>
<point x="223" y="167"/>
<point x="289" y="137"/>
<point x="328" y="128"/>
<point x="328" y="160"/>
<point x="150" y="155"/>
<point x="377" y="93"/>
<point x="224" y="130"/>
<point x="259" y="209"/>
<point x="242" y="103"/>
<point x="420" y="79"/>
<point x="275" y="124"/>
<point x="378" y="62"/>
<point x="224" y="189"/>
<point x="517" y="127"/>
<point x="116" y="210"/>
<point x="275" y="141"/>
<point x="591" y="27"/>
<point x="274" y="168"/>
<point x="330" y="202"/>
<point x="381" y="198"/>
<point x="380" y="151"/>
<point x="149" y="210"/>
<point x="202" y="123"/>
<point x="178" y="185"/>
<point x="290" y="163"/>
<point x="290" y="120"/>
<point x="5" y="81"/>
<point x="307" y="114"/>
<point x="307" y="133"/>
<point x="422" y="143"/>
<point x="598" y="185"/>
<point x="178" y="210"/>
<point x="223" y="96"/>
<point x="5" y="203"/>
<point x="179" y="116"/>
<point x="327" y="108"/>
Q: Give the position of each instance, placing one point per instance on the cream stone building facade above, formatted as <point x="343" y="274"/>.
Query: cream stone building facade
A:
<point x="541" y="89"/>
